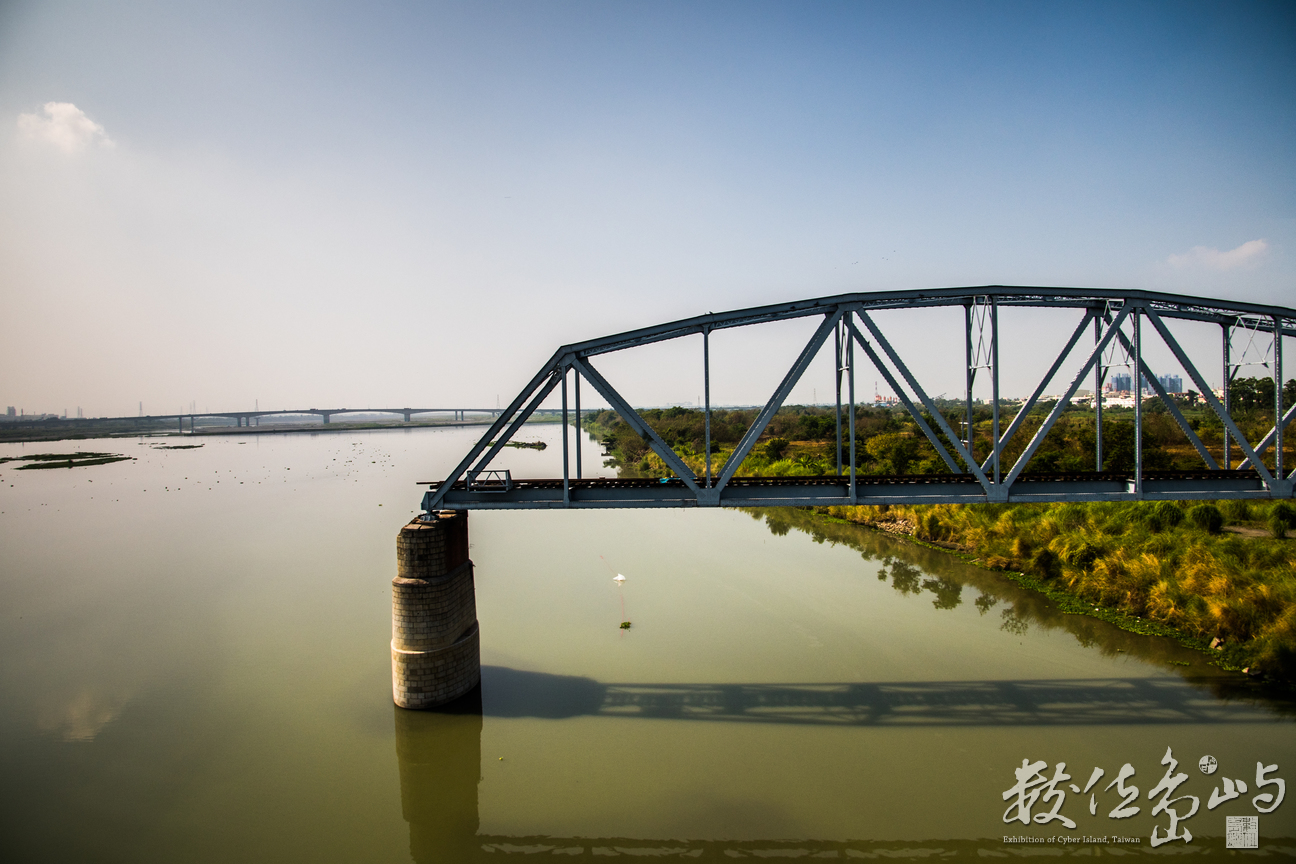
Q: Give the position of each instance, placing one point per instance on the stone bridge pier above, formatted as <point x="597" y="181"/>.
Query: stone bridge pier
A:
<point x="436" y="655"/>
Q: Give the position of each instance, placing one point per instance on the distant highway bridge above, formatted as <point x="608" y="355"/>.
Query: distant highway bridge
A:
<point x="1119" y="321"/>
<point x="249" y="418"/>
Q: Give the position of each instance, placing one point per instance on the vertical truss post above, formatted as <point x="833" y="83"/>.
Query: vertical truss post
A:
<point x="1138" y="402"/>
<point x="969" y="374"/>
<point x="994" y="380"/>
<point x="706" y="389"/>
<point x="837" y="376"/>
<point x="576" y="386"/>
<point x="1098" y="385"/>
<point x="850" y="364"/>
<point x="1228" y="340"/>
<point x="1278" y="397"/>
<point x="566" y="475"/>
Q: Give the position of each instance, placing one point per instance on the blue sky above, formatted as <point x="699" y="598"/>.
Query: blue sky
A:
<point x="415" y="203"/>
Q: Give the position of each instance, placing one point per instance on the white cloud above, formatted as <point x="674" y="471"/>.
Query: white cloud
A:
<point x="65" y="126"/>
<point x="1213" y="259"/>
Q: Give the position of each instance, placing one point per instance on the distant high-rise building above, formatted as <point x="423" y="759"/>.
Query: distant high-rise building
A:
<point x="1120" y="383"/>
<point x="1171" y="383"/>
<point x="11" y="411"/>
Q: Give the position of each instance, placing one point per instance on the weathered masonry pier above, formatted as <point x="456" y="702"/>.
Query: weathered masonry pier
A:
<point x="435" y="648"/>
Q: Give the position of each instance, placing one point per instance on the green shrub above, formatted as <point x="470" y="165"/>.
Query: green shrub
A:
<point x="1080" y="552"/>
<point x="1237" y="510"/>
<point x="775" y="448"/>
<point x="1206" y="517"/>
<point x="1162" y="515"/>
<point x="1282" y="518"/>
<point x="930" y="526"/>
<point x="1045" y="563"/>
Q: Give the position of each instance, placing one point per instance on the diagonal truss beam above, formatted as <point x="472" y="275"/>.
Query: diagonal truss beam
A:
<point x="1062" y="403"/>
<point x="548" y="370"/>
<point x="885" y="372"/>
<point x="540" y="396"/>
<point x="1017" y="421"/>
<point x="1161" y="393"/>
<point x="776" y="401"/>
<point x="1268" y="439"/>
<point x="637" y="423"/>
<point x="1173" y="345"/>
<point x="927" y="402"/>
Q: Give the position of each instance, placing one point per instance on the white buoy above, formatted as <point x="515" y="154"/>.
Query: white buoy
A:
<point x="618" y="579"/>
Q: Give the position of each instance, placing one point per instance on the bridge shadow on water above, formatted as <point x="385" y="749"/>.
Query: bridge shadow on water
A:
<point x="439" y="752"/>
<point x="1065" y="702"/>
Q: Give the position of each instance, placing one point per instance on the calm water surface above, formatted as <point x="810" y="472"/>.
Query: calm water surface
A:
<point x="195" y="668"/>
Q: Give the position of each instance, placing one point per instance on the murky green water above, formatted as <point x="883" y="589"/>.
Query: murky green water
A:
<point x="195" y="667"/>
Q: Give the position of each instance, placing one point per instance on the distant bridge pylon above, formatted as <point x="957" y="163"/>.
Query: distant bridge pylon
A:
<point x="1118" y="320"/>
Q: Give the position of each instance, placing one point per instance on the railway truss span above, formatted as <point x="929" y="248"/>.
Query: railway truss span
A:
<point x="1122" y="324"/>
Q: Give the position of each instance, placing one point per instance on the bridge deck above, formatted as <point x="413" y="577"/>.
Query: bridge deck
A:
<point x="832" y="490"/>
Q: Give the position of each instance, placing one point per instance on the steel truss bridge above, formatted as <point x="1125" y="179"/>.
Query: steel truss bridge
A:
<point x="1118" y="321"/>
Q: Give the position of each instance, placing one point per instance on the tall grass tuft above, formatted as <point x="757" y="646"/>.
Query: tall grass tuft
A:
<point x="1207" y="517"/>
<point x="1282" y="518"/>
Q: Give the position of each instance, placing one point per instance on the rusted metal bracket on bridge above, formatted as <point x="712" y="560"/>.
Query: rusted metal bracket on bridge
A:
<point x="473" y="484"/>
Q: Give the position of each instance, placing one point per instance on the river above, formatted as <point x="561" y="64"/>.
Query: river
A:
<point x="196" y="668"/>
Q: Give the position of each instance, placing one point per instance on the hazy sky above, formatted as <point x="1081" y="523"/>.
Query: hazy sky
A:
<point x="368" y="204"/>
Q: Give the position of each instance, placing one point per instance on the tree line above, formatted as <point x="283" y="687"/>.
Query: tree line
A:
<point x="801" y="440"/>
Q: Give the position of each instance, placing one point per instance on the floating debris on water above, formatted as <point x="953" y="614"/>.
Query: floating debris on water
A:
<point x="625" y="625"/>
<point x="527" y="445"/>
<point x="66" y="460"/>
<point x="618" y="578"/>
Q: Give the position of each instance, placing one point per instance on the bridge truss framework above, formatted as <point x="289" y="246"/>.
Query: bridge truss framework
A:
<point x="1117" y="319"/>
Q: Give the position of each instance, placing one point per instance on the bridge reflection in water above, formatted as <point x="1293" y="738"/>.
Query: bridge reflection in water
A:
<point x="439" y="752"/>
